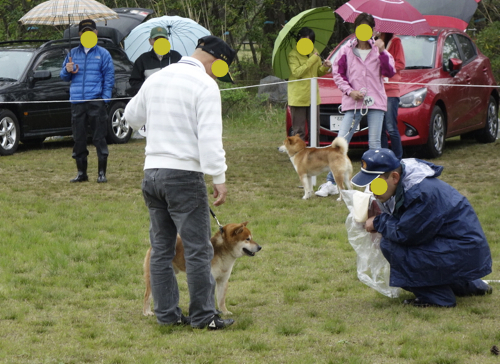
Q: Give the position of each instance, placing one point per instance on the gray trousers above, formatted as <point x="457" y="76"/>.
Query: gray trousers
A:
<point x="178" y="203"/>
<point x="300" y="119"/>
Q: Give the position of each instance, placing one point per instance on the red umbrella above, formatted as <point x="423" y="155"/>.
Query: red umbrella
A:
<point x="391" y="16"/>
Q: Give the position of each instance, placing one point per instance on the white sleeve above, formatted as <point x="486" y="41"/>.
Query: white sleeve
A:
<point x="135" y="111"/>
<point x="209" y="116"/>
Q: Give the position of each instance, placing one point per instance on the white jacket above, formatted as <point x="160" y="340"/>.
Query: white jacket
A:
<point x="181" y="109"/>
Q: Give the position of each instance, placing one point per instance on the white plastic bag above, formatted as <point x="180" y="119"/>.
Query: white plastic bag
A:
<point x="373" y="268"/>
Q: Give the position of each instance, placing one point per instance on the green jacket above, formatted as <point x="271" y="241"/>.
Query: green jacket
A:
<point x="299" y="93"/>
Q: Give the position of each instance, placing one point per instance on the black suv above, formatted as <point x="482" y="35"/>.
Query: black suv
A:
<point x="34" y="99"/>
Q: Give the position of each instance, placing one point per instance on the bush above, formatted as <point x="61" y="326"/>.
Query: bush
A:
<point x="488" y="41"/>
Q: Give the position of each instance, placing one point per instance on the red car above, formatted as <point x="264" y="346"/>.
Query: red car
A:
<point x="436" y="103"/>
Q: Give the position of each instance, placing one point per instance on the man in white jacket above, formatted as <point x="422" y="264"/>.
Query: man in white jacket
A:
<point x="180" y="106"/>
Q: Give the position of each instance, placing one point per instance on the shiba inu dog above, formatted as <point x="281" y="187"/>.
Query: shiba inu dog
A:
<point x="309" y="161"/>
<point x="230" y="242"/>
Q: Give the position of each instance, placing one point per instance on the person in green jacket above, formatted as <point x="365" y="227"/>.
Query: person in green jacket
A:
<point x="299" y="93"/>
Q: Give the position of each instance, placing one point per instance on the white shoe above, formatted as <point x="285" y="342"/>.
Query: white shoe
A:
<point x="327" y="189"/>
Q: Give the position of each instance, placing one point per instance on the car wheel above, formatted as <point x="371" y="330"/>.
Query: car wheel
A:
<point x="489" y="133"/>
<point x="437" y="131"/>
<point x="119" y="131"/>
<point x="9" y="132"/>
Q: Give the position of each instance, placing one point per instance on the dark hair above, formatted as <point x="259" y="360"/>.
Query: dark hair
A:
<point x="306" y="32"/>
<point x="364" y="18"/>
<point x="388" y="174"/>
<point x="387" y="38"/>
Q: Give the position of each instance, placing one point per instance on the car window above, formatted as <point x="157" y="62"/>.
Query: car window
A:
<point x="468" y="48"/>
<point x="120" y="61"/>
<point x="420" y="51"/>
<point x="450" y="50"/>
<point x="51" y="61"/>
<point x="13" y="64"/>
<point x="333" y="55"/>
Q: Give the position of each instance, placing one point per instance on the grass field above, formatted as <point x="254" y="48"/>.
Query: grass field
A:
<point x="71" y="265"/>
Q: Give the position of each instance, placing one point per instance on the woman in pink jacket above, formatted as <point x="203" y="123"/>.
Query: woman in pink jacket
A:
<point x="358" y="71"/>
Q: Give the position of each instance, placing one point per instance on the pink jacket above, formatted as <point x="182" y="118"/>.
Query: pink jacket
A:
<point x="351" y="73"/>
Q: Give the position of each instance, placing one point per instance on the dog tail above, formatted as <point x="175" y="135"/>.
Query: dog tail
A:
<point x="341" y="143"/>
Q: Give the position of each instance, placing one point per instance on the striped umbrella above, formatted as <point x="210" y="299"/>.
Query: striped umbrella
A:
<point x="67" y="12"/>
<point x="62" y="12"/>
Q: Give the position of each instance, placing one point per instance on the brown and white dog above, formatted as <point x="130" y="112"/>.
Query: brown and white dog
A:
<point x="233" y="242"/>
<point x="309" y="161"/>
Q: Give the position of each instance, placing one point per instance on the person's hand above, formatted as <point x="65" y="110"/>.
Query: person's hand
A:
<point x="380" y="44"/>
<point x="356" y="95"/>
<point x="69" y="66"/>
<point x="369" y="225"/>
<point x="327" y="64"/>
<point x="220" y="193"/>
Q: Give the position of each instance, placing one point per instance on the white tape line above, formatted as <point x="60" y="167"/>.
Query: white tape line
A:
<point x="251" y="86"/>
<point x="491" y="281"/>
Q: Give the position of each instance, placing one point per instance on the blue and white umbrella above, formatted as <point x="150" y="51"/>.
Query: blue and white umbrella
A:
<point x="183" y="35"/>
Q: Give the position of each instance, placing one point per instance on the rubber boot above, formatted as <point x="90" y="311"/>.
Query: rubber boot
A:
<point x="101" y="178"/>
<point x="81" y="165"/>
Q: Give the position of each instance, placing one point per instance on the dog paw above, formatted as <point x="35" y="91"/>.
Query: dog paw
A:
<point x="148" y="313"/>
<point x="227" y="312"/>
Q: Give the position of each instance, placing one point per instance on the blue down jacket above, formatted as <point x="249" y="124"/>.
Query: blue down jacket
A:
<point x="96" y="77"/>
<point x="433" y="236"/>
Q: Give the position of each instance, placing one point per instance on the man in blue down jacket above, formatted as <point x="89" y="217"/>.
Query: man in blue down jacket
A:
<point x="431" y="235"/>
<point x="94" y="79"/>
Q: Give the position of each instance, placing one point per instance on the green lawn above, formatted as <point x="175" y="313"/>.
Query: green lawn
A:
<point x="71" y="265"/>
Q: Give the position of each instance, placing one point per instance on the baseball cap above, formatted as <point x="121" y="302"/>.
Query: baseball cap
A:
<point x="158" y="32"/>
<point x="86" y="24"/>
<point x="220" y="50"/>
<point x="375" y="162"/>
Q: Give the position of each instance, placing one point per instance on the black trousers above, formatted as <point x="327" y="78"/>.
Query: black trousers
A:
<point x="89" y="114"/>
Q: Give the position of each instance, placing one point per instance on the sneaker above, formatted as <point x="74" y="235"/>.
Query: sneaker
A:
<point x="183" y="321"/>
<point x="216" y="323"/>
<point x="327" y="189"/>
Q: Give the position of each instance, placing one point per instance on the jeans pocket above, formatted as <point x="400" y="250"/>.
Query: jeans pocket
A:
<point x="183" y="196"/>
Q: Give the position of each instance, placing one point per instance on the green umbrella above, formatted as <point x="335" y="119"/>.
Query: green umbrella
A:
<point x="321" y="20"/>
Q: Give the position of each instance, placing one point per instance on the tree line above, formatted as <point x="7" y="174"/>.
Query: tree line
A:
<point x="250" y="25"/>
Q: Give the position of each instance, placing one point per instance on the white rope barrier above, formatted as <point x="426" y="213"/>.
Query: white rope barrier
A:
<point x="248" y="87"/>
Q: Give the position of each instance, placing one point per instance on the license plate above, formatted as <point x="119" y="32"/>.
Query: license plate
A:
<point x="336" y="121"/>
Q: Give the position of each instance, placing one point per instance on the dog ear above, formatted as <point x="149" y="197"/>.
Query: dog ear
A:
<point x="245" y="223"/>
<point x="238" y="229"/>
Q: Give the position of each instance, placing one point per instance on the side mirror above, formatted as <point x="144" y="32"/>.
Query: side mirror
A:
<point x="454" y="66"/>
<point x="41" y="75"/>
<point x="38" y="76"/>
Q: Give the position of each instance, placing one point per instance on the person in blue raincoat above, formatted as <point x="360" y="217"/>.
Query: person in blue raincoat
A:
<point x="431" y="235"/>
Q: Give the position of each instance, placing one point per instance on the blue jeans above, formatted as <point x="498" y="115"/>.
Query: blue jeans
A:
<point x="391" y="126"/>
<point x="375" y="121"/>
<point x="178" y="203"/>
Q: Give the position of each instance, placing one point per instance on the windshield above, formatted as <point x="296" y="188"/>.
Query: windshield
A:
<point x="13" y="63"/>
<point x="420" y="51"/>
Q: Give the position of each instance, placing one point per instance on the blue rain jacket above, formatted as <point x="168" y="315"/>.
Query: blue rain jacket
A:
<point x="433" y="236"/>
<point x="96" y="77"/>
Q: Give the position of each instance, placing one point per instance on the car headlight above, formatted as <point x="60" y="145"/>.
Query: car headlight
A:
<point x="413" y="99"/>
